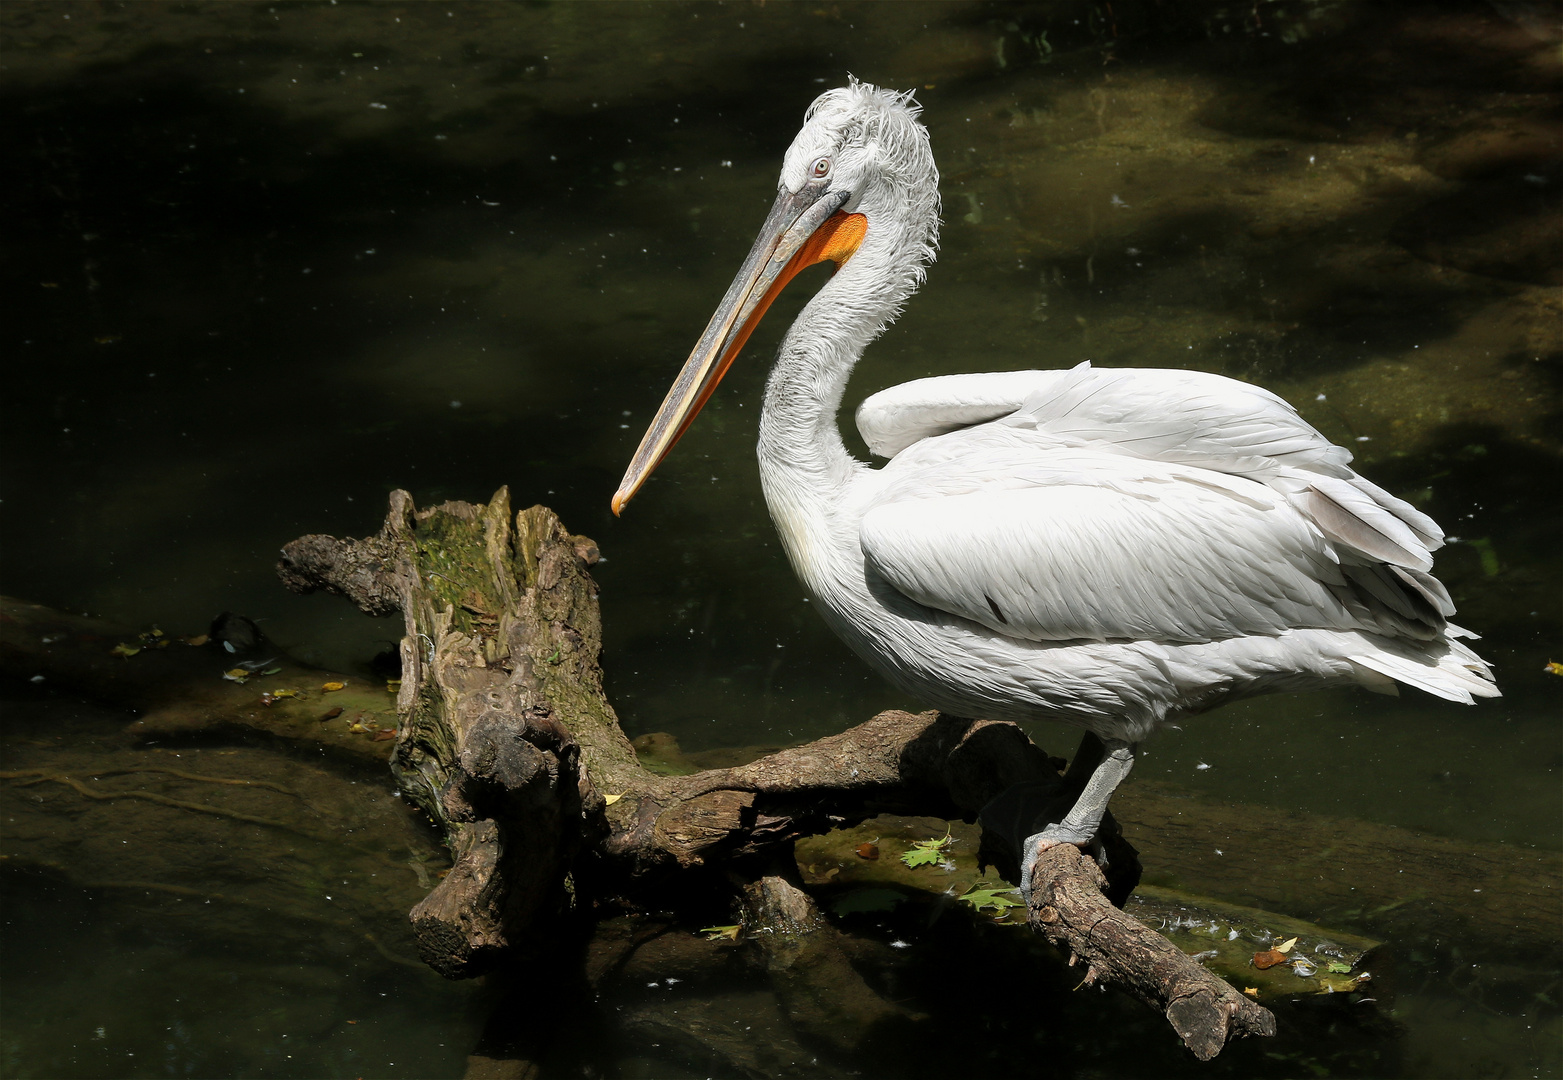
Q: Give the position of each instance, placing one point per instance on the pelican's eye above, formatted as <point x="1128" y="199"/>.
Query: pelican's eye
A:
<point x="820" y="169"/>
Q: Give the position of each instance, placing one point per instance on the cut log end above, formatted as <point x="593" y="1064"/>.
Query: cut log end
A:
<point x="1206" y="1020"/>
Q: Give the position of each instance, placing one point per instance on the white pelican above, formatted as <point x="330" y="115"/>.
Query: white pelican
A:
<point x="1114" y="549"/>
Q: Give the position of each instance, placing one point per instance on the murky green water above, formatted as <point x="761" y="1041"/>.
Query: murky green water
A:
<point x="267" y="262"/>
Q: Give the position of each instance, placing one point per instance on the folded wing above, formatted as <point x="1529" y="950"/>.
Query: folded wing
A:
<point x="1139" y="504"/>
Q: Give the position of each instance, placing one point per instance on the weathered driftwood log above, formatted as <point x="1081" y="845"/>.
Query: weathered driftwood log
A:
<point x="1067" y="905"/>
<point x="508" y="742"/>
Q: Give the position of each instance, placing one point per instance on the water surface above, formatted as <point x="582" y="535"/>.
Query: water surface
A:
<point x="267" y="262"/>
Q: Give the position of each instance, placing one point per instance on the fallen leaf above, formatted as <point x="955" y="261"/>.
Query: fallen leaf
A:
<point x="330" y="686"/>
<point x="868" y="851"/>
<point x="237" y="674"/>
<point x="1335" y="984"/>
<point x="383" y="735"/>
<point x="1268" y="959"/>
<point x="195" y="639"/>
<point x="926" y="852"/>
<point x="1251" y="991"/>
<point x="717" y="933"/>
<point x="981" y="899"/>
<point x="1338" y="968"/>
<point x="124" y="650"/>
<point x="609" y="800"/>
<point x="1554" y="667"/>
<point x="271" y="671"/>
<point x="357" y="729"/>
<point x="1286" y="946"/>
<point x="286" y="693"/>
<point x="331" y="714"/>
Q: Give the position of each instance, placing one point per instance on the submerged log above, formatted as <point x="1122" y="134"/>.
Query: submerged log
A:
<point x="510" y="745"/>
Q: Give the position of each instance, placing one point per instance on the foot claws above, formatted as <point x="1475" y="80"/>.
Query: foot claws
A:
<point x="1033" y="846"/>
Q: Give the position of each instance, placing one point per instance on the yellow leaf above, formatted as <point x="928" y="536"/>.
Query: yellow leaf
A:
<point x="124" y="650"/>
<point x="285" y="693"/>
<point x="330" y="686"/>
<point x="609" y="800"/>
<point x="1251" y="991"/>
<point x="1554" y="667"/>
<point x="195" y="639"/>
<point x="1286" y="946"/>
<point x="1339" y="984"/>
<point x="237" y="674"/>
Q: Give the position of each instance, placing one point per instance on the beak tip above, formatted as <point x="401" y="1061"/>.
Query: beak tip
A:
<point x="619" y="499"/>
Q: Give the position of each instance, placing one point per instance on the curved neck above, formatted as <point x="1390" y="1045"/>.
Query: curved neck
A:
<point x="798" y="432"/>
<point x="804" y="465"/>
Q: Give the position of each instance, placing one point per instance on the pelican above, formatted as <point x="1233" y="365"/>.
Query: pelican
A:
<point x="1112" y="548"/>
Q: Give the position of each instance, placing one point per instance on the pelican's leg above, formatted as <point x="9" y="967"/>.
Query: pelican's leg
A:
<point x="1080" y="824"/>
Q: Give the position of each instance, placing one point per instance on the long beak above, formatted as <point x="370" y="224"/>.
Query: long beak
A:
<point x="802" y="229"/>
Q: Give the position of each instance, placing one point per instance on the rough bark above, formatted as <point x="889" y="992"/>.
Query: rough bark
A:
<point x="510" y="745"/>
<point x="499" y="681"/>
<point x="1069" y="905"/>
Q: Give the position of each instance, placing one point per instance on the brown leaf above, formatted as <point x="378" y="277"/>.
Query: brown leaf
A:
<point x="1268" y="959"/>
<point x="331" y="713"/>
<point x="868" y="851"/>
<point x="383" y="736"/>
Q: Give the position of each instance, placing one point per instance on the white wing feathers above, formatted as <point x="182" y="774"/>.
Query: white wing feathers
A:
<point x="894" y="419"/>
<point x="1137" y="505"/>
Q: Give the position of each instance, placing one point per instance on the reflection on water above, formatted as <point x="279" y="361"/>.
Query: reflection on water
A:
<point x="267" y="262"/>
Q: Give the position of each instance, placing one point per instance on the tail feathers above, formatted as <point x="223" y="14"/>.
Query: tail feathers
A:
<point x="1455" y="674"/>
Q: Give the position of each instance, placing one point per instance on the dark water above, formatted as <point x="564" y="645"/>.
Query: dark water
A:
<point x="265" y="263"/>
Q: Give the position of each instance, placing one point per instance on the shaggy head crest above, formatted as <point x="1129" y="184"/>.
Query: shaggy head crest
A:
<point x="869" y="143"/>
